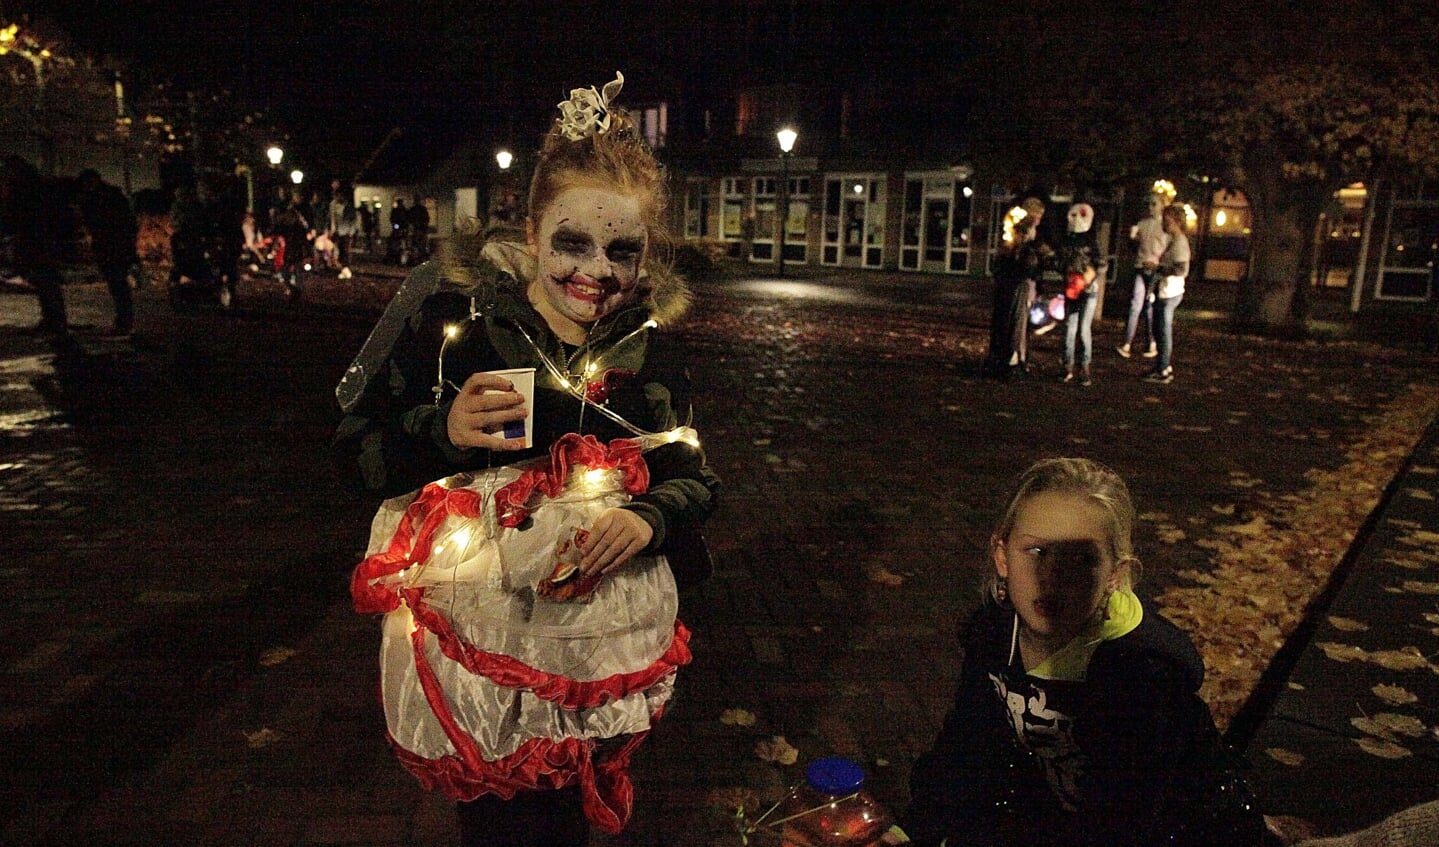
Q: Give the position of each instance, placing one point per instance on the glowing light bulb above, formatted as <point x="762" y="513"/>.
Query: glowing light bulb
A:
<point x="593" y="477"/>
<point x="451" y="330"/>
<point x="683" y="433"/>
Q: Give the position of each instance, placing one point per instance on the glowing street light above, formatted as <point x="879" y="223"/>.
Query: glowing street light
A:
<point x="786" y="138"/>
<point x="275" y="155"/>
<point x="297" y="176"/>
<point x="504" y="158"/>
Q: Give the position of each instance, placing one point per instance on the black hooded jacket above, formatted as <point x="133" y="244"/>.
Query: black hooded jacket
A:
<point x="1127" y="756"/>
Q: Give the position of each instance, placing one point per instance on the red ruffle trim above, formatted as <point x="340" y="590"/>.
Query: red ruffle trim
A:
<point x="410" y="545"/>
<point x="414" y="538"/>
<point x="540" y="764"/>
<point x="564" y="692"/>
<point x="512" y="501"/>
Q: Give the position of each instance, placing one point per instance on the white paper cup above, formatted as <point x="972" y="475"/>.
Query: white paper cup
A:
<point x="524" y="382"/>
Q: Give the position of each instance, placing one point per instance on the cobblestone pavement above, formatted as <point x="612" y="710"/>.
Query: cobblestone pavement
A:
<point x="181" y="665"/>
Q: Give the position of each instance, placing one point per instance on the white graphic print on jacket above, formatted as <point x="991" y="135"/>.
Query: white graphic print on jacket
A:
<point x="1048" y="734"/>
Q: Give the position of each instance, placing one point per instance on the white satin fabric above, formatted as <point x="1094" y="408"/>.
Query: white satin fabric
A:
<point x="482" y="578"/>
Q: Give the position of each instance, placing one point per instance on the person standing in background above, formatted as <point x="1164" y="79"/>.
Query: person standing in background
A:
<point x="1084" y="266"/>
<point x="1170" y="274"/>
<point x="342" y="223"/>
<point x="1149" y="240"/>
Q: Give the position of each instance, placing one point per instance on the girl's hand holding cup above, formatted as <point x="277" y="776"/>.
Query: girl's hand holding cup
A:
<point x="485" y="404"/>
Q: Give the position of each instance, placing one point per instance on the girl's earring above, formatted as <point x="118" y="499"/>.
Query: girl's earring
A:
<point x="1001" y="593"/>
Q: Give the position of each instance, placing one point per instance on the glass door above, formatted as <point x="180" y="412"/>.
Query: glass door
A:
<point x="936" y="234"/>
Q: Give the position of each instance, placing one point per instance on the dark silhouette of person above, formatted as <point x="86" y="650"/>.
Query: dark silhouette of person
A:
<point x="108" y="218"/>
<point x="33" y="218"/>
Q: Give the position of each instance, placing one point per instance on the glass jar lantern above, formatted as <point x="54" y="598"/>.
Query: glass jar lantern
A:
<point x="829" y="809"/>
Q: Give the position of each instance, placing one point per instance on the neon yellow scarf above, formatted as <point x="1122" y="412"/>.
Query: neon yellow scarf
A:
<point x="1071" y="662"/>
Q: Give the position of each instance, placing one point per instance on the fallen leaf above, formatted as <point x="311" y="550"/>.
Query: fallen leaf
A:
<point x="1395" y="695"/>
<point x="737" y="717"/>
<point x="1343" y="652"/>
<point x="1402" y="724"/>
<point x="884" y="576"/>
<point x="1347" y="624"/>
<point x="1289" y="829"/>
<point x="1416" y="587"/>
<point x="261" y="738"/>
<point x="1370" y="726"/>
<point x="1382" y="749"/>
<point x="777" y="750"/>
<point x="275" y="656"/>
<point x="1407" y="659"/>
<point x="1285" y="757"/>
<point x="1222" y="510"/>
<point x="1419" y="494"/>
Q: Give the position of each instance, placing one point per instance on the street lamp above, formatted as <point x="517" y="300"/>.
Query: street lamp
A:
<point x="275" y="155"/>
<point x="499" y="207"/>
<point x="786" y="138"/>
<point x="297" y="176"/>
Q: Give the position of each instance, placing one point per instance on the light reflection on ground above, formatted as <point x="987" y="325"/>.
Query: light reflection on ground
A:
<point x="798" y="290"/>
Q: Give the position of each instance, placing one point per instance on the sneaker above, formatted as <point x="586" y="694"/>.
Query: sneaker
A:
<point x="1068" y="377"/>
<point x="1085" y="380"/>
<point x="1163" y="377"/>
<point x="1122" y="350"/>
<point x="1152" y="351"/>
<point x="345" y="273"/>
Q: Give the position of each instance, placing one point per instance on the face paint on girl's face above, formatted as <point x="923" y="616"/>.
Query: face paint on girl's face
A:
<point x="590" y="244"/>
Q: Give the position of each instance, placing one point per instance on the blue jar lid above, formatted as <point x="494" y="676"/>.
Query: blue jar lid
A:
<point x="834" y="776"/>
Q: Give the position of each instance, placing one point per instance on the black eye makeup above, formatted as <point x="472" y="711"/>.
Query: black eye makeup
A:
<point x="624" y="249"/>
<point x="571" y="242"/>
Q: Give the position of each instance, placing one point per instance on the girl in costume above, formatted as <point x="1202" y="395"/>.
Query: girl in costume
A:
<point x="1077" y="720"/>
<point x="1084" y="266"/>
<point x="530" y="630"/>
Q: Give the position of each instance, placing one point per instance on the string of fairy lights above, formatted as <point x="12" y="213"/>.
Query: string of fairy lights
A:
<point x="574" y="384"/>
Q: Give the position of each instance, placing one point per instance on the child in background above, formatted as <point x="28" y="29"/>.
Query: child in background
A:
<point x="1078" y="719"/>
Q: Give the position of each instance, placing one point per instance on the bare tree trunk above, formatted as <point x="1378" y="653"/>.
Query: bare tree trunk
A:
<point x="1280" y="251"/>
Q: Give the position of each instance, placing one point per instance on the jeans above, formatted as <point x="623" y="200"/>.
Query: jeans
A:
<point x="1078" y="320"/>
<point x="1164" y="321"/>
<point x="1139" y="307"/>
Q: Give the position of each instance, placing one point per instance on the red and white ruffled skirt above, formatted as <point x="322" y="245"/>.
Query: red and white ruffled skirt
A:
<point x="500" y="670"/>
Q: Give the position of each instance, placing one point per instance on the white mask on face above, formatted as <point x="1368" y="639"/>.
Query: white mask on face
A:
<point x="1081" y="218"/>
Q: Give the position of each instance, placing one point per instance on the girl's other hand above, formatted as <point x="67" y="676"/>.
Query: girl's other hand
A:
<point x="486" y="403"/>
<point x="618" y="534"/>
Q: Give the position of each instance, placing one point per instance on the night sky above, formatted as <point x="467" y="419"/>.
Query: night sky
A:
<point x="339" y="75"/>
